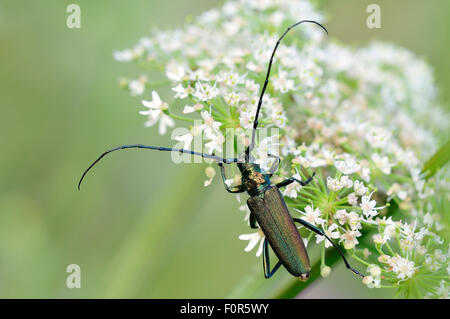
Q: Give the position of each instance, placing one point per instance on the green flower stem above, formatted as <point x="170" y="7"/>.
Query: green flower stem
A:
<point x="390" y="249"/>
<point x="399" y="245"/>
<point x="321" y="183"/>
<point x="331" y="196"/>
<point x="417" y="290"/>
<point x="429" y="289"/>
<point x="342" y="201"/>
<point x="222" y="111"/>
<point x="380" y="251"/>
<point x="310" y="196"/>
<point x="360" y="260"/>
<point x="181" y="118"/>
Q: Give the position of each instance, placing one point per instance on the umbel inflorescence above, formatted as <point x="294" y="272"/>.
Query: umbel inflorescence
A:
<point x="362" y="119"/>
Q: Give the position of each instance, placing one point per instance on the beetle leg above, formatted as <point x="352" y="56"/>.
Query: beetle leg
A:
<point x="293" y="179"/>
<point x="234" y="189"/>
<point x="266" y="261"/>
<point x="321" y="233"/>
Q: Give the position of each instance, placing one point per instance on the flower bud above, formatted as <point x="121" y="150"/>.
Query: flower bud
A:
<point x="374" y="270"/>
<point x="384" y="259"/>
<point x="325" y="271"/>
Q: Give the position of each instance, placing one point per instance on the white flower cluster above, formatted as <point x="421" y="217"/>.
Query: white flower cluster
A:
<point x="363" y="119"/>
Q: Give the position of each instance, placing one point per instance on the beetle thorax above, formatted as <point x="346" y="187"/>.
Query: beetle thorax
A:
<point x="253" y="179"/>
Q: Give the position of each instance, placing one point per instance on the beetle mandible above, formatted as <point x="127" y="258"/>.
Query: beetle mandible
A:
<point x="268" y="209"/>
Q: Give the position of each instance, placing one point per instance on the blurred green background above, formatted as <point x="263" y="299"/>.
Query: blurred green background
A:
<point x="141" y="226"/>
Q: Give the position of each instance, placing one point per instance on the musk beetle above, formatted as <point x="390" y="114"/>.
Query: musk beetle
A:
<point x="267" y="206"/>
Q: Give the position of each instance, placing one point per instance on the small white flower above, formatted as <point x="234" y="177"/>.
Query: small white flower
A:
<point x="251" y="85"/>
<point x="428" y="219"/>
<point x="312" y="215"/>
<point x="346" y="181"/>
<point x="175" y="71"/>
<point x="230" y="78"/>
<point x="382" y="163"/>
<point x="189" y="109"/>
<point x="292" y="189"/>
<point x="137" y="87"/>
<point x="354" y="220"/>
<point x="156" y="113"/>
<point x="403" y="267"/>
<point x="216" y="142"/>
<point x="276" y="18"/>
<point x="368" y="206"/>
<point x="366" y="253"/>
<point x="442" y="290"/>
<point x="365" y="174"/>
<point x="385" y="259"/>
<point x="209" y="17"/>
<point x="232" y="98"/>
<point x="205" y="92"/>
<point x="182" y="92"/>
<point x="210" y="126"/>
<point x="342" y="216"/>
<point x="156" y="103"/>
<point x="334" y="184"/>
<point x="253" y="241"/>
<point x="347" y="167"/>
<point x="231" y="27"/>
<point x="409" y="231"/>
<point x="198" y="75"/>
<point x="282" y="83"/>
<point x="396" y="189"/>
<point x="331" y="233"/>
<point x="374" y="270"/>
<point x="371" y="281"/>
<point x="350" y="238"/>
<point x="378" y="137"/>
<point x="421" y="250"/>
<point x="359" y="188"/>
<point x="123" y="56"/>
<point x="186" y="139"/>
<point x="352" y="199"/>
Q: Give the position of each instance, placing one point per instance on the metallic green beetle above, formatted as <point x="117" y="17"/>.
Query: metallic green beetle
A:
<point x="267" y="206"/>
<point x="269" y="210"/>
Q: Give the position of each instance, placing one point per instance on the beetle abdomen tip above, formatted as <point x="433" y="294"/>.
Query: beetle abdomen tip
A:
<point x="304" y="277"/>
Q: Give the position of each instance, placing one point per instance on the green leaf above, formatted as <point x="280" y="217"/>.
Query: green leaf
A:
<point x="438" y="160"/>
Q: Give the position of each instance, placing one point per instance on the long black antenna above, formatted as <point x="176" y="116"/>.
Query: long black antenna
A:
<point x="255" y="123"/>
<point x="204" y="155"/>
